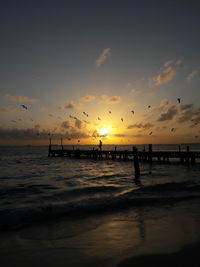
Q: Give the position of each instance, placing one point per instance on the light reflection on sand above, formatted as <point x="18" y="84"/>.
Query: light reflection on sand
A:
<point x="107" y="239"/>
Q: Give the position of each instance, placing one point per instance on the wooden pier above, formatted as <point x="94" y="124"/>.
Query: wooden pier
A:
<point x="148" y="156"/>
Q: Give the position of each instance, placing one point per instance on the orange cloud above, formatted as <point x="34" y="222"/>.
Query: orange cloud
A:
<point x="7" y="109"/>
<point x="110" y="99"/>
<point x="104" y="55"/>
<point x="20" y="99"/>
<point x="192" y="75"/>
<point x="87" y="98"/>
<point x="165" y="76"/>
<point x="69" y="105"/>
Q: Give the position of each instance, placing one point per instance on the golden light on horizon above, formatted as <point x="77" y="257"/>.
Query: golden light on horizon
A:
<point x="104" y="132"/>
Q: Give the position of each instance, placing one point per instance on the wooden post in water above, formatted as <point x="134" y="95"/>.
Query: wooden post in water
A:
<point x="136" y="162"/>
<point x="61" y="143"/>
<point x="188" y="157"/>
<point x="150" y="152"/>
<point x="49" y="152"/>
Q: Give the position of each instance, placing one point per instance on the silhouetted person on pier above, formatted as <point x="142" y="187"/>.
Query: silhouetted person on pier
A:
<point x="100" y="144"/>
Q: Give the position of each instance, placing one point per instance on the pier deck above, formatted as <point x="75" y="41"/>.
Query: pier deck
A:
<point x="161" y="156"/>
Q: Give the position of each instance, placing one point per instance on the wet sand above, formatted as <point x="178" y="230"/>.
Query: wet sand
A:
<point x="162" y="236"/>
<point x="188" y="256"/>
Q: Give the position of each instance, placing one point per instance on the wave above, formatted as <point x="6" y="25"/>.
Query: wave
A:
<point x="22" y="189"/>
<point x="89" y="190"/>
<point x="169" y="193"/>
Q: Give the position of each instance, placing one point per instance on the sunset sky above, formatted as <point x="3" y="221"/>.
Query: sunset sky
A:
<point x="83" y="66"/>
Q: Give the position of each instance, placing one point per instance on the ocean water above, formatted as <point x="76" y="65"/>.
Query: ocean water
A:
<point x="94" y="209"/>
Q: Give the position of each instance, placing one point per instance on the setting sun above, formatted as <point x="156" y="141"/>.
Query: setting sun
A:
<point x="104" y="132"/>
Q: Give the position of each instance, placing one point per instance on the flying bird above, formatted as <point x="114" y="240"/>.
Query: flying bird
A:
<point x="149" y="106"/>
<point x="132" y="111"/>
<point x="85" y="113"/>
<point x="122" y="119"/>
<point x="179" y="100"/>
<point x="172" y="129"/>
<point x="23" y="106"/>
<point x="150" y="133"/>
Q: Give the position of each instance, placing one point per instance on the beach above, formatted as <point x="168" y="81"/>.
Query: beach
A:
<point x="68" y="212"/>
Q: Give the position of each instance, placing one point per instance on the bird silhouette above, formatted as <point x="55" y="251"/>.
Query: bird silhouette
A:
<point x="179" y="100"/>
<point x="172" y="129"/>
<point x="150" y="133"/>
<point x="149" y="106"/>
<point x="25" y="107"/>
<point x="122" y="119"/>
<point x="132" y="111"/>
<point x="85" y="113"/>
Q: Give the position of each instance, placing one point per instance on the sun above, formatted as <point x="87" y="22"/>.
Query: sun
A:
<point x="104" y="132"/>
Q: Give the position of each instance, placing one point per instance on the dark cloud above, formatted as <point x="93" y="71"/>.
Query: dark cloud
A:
<point x="36" y="133"/>
<point x="65" y="124"/>
<point x="160" y="129"/>
<point x="169" y="115"/>
<point x="23" y="134"/>
<point x="140" y="125"/>
<point x="185" y="106"/>
<point x="189" y="113"/>
<point x="78" y="123"/>
<point x="74" y="134"/>
<point x="120" y="135"/>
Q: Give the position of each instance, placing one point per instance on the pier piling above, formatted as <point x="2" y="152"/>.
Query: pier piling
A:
<point x="136" y="162"/>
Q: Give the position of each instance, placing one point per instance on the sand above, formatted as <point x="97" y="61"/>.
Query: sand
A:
<point x="188" y="256"/>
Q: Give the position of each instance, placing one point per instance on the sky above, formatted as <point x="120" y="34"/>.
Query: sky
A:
<point x="125" y="72"/>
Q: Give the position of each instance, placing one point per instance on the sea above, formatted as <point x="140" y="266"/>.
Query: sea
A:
<point x="59" y="211"/>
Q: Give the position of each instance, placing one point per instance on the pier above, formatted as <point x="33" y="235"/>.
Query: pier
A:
<point x="148" y="156"/>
